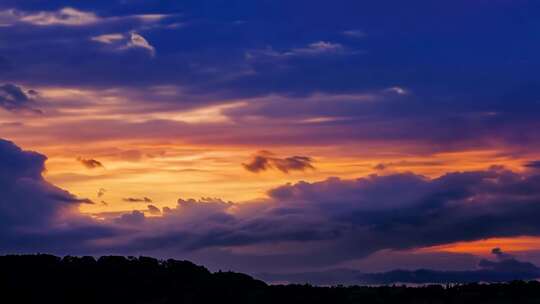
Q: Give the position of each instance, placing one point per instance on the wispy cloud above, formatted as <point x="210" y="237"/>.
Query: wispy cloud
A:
<point x="69" y="17"/>
<point x="122" y="42"/>
<point x="66" y="16"/>
<point x="355" y="33"/>
<point x="138" y="41"/>
<point x="108" y="38"/>
<point x="318" y="48"/>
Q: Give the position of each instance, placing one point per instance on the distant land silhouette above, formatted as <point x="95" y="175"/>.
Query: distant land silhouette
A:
<point x="144" y="280"/>
<point x="503" y="270"/>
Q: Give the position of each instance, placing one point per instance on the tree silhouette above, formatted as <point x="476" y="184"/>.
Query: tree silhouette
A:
<point x="144" y="280"/>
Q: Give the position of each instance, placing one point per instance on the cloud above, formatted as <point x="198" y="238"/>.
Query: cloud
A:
<point x="398" y="90"/>
<point x="69" y="17"/>
<point x="90" y="163"/>
<point x="14" y="98"/>
<point x="122" y="42"/>
<point x="265" y="160"/>
<point x="35" y="214"/>
<point x="318" y="48"/>
<point x="398" y="164"/>
<point x="356" y="218"/>
<point x="342" y="220"/>
<point x="138" y="41"/>
<point x="153" y="210"/>
<point x="108" y="38"/>
<point x="63" y="17"/>
<point x="66" y="16"/>
<point x="355" y="33"/>
<point x="134" y="218"/>
<point x="137" y="200"/>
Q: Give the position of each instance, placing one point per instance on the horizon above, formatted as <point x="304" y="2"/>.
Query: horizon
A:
<point x="270" y="137"/>
<point x="509" y="271"/>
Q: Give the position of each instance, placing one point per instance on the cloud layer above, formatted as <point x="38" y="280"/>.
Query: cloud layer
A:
<point x="342" y="220"/>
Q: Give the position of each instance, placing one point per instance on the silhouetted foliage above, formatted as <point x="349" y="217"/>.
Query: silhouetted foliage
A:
<point x="116" y="279"/>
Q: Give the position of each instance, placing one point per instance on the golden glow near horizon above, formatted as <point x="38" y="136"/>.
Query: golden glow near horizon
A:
<point x="484" y="247"/>
<point x="166" y="172"/>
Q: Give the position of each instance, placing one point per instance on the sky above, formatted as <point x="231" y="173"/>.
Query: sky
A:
<point x="272" y="136"/>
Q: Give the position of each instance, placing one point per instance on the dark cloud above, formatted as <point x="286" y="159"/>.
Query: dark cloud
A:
<point x="137" y="200"/>
<point x="533" y="164"/>
<point x="90" y="163"/>
<point x="13" y="98"/>
<point x="257" y="164"/>
<point x="26" y="196"/>
<point x="352" y="218"/>
<point x="136" y="217"/>
<point x="34" y="214"/>
<point x="265" y="160"/>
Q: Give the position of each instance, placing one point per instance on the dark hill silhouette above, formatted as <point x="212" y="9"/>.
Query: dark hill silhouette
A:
<point x="115" y="279"/>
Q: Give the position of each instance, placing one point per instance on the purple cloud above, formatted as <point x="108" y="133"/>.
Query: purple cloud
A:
<point x="352" y="218"/>
<point x="14" y="98"/>
<point x="343" y="220"/>
<point x="36" y="215"/>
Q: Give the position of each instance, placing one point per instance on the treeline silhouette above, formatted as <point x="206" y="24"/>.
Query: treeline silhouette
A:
<point x="130" y="280"/>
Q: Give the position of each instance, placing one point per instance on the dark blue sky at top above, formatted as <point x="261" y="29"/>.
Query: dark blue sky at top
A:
<point x="460" y="60"/>
<point x="478" y="49"/>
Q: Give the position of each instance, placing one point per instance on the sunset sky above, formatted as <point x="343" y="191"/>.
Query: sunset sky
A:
<point x="272" y="135"/>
